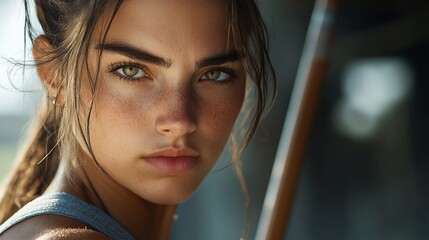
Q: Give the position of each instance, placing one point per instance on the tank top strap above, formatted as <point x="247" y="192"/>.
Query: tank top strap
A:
<point x="69" y="206"/>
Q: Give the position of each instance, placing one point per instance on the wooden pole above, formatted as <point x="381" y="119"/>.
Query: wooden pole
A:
<point x="305" y="95"/>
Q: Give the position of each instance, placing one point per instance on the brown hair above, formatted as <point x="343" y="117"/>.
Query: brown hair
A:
<point x="58" y="133"/>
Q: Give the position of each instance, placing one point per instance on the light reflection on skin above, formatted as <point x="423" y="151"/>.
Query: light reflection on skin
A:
<point x="168" y="89"/>
<point x="173" y="106"/>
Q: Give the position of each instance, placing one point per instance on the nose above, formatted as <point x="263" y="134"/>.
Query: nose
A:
<point x="176" y="113"/>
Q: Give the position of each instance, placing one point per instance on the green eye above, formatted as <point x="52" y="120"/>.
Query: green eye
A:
<point x="216" y="75"/>
<point x="213" y="75"/>
<point x="131" y="72"/>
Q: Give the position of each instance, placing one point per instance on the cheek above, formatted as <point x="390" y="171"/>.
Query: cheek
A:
<point x="114" y="111"/>
<point x="109" y="112"/>
<point x="120" y="108"/>
<point x="115" y="124"/>
<point x="219" y="115"/>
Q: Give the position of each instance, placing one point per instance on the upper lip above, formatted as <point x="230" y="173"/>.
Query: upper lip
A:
<point x="174" y="152"/>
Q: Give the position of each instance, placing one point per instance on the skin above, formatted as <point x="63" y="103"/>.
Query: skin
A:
<point x="167" y="106"/>
<point x="171" y="107"/>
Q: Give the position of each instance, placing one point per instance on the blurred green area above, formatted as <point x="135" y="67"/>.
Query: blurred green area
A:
<point x="7" y="155"/>
<point x="11" y="131"/>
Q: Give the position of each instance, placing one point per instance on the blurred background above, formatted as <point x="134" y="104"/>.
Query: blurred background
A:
<point x="366" y="165"/>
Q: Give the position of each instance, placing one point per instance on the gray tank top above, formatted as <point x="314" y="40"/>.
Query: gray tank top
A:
<point x="69" y="206"/>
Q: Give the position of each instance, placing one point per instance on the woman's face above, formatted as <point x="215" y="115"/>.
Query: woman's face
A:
<point x="169" y="91"/>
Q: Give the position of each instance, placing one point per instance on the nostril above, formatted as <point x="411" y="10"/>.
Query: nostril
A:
<point x="177" y="120"/>
<point x="175" y="127"/>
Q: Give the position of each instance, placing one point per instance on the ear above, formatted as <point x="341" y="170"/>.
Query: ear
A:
<point x="45" y="65"/>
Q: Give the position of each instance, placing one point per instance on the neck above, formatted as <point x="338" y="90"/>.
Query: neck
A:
<point x="142" y="219"/>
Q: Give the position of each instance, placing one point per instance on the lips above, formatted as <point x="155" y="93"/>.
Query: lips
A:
<point x="173" y="161"/>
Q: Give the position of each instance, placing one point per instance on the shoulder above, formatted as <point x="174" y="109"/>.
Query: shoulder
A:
<point x="47" y="227"/>
<point x="71" y="234"/>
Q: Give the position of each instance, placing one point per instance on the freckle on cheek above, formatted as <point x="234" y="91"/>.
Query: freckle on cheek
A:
<point x="222" y="117"/>
<point x="110" y="107"/>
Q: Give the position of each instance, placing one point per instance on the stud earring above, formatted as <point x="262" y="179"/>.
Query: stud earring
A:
<point x="54" y="100"/>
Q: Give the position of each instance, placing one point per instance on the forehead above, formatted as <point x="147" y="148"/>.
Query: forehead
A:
<point x="170" y="27"/>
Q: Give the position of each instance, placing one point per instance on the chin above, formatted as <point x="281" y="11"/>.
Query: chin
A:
<point x="168" y="196"/>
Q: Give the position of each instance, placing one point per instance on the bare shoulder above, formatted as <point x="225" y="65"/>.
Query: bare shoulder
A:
<point x="47" y="227"/>
<point x="72" y="234"/>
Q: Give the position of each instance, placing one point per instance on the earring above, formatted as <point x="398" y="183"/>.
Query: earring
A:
<point x="54" y="100"/>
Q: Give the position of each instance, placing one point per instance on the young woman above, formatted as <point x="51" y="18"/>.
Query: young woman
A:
<point x="141" y="99"/>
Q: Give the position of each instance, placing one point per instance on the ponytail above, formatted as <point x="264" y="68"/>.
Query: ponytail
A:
<point x="68" y="26"/>
<point x="35" y="166"/>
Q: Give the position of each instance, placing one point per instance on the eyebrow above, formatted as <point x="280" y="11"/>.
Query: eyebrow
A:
<point x="145" y="56"/>
<point x="220" y="59"/>
<point x="133" y="52"/>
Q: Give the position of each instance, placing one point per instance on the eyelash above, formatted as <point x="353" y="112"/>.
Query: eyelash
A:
<point x="228" y="71"/>
<point x="113" y="68"/>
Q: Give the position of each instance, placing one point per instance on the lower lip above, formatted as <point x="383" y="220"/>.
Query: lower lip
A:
<point x="173" y="165"/>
